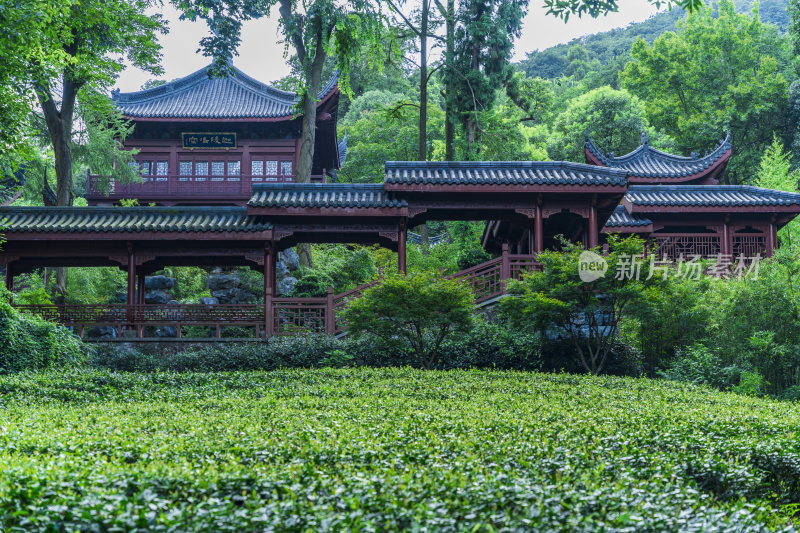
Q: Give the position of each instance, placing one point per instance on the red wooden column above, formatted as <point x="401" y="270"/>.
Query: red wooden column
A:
<point x="531" y="240"/>
<point x="402" y="236"/>
<point x="505" y="263"/>
<point x="539" y="230"/>
<point x="140" y="288"/>
<point x="269" y="289"/>
<point x="725" y="245"/>
<point x="593" y="234"/>
<point x="330" y="314"/>
<point x="9" y="278"/>
<point x="131" y="276"/>
<point x="771" y="239"/>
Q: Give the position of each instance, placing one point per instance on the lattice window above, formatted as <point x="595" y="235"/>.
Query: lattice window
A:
<point x="257" y="167"/>
<point x="686" y="246"/>
<point x="234" y="170"/>
<point x="200" y="170"/>
<point x="749" y="245"/>
<point x="162" y="170"/>
<point x="146" y="168"/>
<point x="185" y="168"/>
<point x="271" y="170"/>
<point x="217" y="170"/>
<point x="286" y="168"/>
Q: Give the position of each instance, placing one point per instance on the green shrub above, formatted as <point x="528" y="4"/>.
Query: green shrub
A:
<point x="561" y="304"/>
<point x="417" y="312"/>
<point x="750" y="384"/>
<point x="490" y="345"/>
<point x="312" y="284"/>
<point x="31" y="343"/>
<point x="471" y="257"/>
<point x="696" y="364"/>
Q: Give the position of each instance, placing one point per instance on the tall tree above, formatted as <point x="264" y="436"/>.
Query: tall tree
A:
<point x="794" y="31"/>
<point x="714" y="73"/>
<point x="26" y="25"/>
<point x="90" y="37"/>
<point x="344" y="30"/>
<point x="80" y="46"/>
<point x="484" y="39"/>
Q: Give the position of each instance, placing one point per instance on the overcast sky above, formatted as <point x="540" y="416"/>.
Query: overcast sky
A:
<point x="262" y="56"/>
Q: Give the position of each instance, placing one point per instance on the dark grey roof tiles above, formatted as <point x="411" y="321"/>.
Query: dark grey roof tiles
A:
<point x="708" y="196"/>
<point x="129" y="219"/>
<point x="333" y="195"/>
<point x="647" y="162"/>
<point x="198" y="96"/>
<point x="621" y="218"/>
<point x="501" y="173"/>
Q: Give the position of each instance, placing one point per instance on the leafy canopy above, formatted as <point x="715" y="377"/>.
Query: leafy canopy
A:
<point x="713" y="74"/>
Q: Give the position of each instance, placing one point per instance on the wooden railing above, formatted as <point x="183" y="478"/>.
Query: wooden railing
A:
<point x="163" y="187"/>
<point x="288" y="316"/>
<point x="487" y="280"/>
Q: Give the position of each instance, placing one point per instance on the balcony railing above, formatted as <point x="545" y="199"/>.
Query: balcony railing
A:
<point x="154" y="188"/>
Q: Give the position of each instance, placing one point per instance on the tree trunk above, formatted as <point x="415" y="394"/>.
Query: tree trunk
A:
<point x="423" y="104"/>
<point x="59" y="126"/>
<point x="449" y="57"/>
<point x="305" y="160"/>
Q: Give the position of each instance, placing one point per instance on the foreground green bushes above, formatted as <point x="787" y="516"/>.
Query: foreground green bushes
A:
<point x="31" y="343"/>
<point x="390" y="450"/>
<point x="485" y="346"/>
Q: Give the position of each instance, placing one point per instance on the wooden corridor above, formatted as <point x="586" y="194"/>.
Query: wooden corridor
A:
<point x="276" y="316"/>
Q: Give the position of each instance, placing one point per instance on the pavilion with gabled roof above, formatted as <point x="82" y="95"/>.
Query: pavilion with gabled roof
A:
<point x="648" y="165"/>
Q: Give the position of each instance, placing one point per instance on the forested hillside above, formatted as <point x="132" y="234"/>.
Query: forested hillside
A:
<point x="613" y="47"/>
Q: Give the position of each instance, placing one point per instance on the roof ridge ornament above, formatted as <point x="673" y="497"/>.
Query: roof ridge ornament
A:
<point x="645" y="140"/>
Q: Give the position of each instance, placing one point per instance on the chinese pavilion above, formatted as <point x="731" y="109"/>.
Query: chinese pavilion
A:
<point x="218" y="157"/>
<point x="207" y="140"/>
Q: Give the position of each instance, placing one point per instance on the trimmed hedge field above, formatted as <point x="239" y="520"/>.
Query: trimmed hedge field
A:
<point x="390" y="449"/>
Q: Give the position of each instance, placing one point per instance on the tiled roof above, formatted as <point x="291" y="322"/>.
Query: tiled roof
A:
<point x="501" y="173"/>
<point x="129" y="219"/>
<point x="709" y="196"/>
<point x="198" y="96"/>
<point x="335" y="195"/>
<point x="621" y="218"/>
<point x="647" y="162"/>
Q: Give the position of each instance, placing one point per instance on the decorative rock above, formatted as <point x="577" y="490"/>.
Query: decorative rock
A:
<point x="286" y="285"/>
<point x="233" y="296"/>
<point x="219" y="282"/>
<point x="152" y="283"/>
<point x="166" y="331"/>
<point x="280" y="270"/>
<point x="290" y="259"/>
<point x="156" y="297"/>
<point x="102" y="332"/>
<point x="209" y="300"/>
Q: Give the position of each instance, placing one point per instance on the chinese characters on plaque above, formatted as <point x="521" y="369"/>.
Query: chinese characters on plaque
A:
<point x="209" y="141"/>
